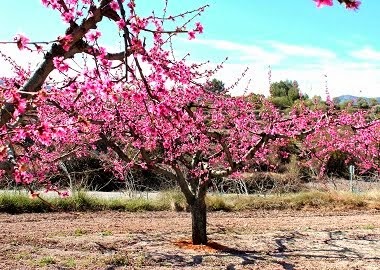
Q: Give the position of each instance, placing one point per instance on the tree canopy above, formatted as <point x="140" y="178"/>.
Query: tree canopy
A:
<point x="284" y="93"/>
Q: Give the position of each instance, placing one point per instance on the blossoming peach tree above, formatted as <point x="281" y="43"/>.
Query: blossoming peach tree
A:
<point x="147" y="106"/>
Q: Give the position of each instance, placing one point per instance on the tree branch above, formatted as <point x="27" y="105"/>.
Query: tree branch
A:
<point x="183" y="184"/>
<point x="6" y="166"/>
<point x="115" y="148"/>
<point x="126" y="39"/>
<point x="36" y="81"/>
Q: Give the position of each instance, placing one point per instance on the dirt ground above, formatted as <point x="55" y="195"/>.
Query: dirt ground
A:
<point x="155" y="240"/>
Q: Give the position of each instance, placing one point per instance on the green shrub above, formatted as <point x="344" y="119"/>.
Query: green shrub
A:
<point x="218" y="203"/>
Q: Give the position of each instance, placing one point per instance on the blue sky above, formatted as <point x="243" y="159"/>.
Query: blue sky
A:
<point x="299" y="41"/>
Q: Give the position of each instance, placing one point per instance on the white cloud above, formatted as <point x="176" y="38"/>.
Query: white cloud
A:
<point x="272" y="54"/>
<point x="343" y="77"/>
<point x="306" y="64"/>
<point x="356" y="78"/>
<point x="303" y="51"/>
<point x="246" y="52"/>
<point x="366" y="53"/>
<point x="359" y="75"/>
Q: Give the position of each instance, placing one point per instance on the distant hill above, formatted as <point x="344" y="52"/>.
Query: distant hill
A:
<point x="344" y="98"/>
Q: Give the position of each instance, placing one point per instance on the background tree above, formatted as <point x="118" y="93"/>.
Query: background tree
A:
<point x="362" y="103"/>
<point x="215" y="86"/>
<point x="345" y="105"/>
<point x="284" y="93"/>
<point x="373" y="102"/>
<point x="336" y="100"/>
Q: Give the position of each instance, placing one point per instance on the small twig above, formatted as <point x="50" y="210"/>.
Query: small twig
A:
<point x="126" y="39"/>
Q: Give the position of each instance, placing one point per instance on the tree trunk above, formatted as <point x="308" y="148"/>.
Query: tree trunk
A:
<point x="195" y="193"/>
<point x="198" y="220"/>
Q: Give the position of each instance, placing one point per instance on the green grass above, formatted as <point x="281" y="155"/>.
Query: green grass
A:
<point x="117" y="260"/>
<point x="23" y="255"/>
<point x="21" y="203"/>
<point x="70" y="263"/>
<point x="79" y="232"/>
<point x="45" y="261"/>
<point x="301" y="200"/>
<point x="174" y="200"/>
<point x="369" y="227"/>
<point x="106" y="233"/>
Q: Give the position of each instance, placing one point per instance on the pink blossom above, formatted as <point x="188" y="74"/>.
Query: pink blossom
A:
<point x="21" y="175"/>
<point x="131" y="4"/>
<point x="44" y="133"/>
<point x="20" y="107"/>
<point x="121" y="23"/>
<point x="191" y="35"/>
<point x="38" y="47"/>
<point x="60" y="64"/>
<point x="68" y="16"/>
<point x="63" y="194"/>
<point x="20" y="135"/>
<point x="114" y="5"/>
<point x="139" y="24"/>
<point x="66" y="41"/>
<point x="321" y="3"/>
<point x="353" y="4"/>
<point x="93" y="35"/>
<point x="21" y="41"/>
<point x="199" y="27"/>
<point x="19" y="103"/>
<point x="59" y="132"/>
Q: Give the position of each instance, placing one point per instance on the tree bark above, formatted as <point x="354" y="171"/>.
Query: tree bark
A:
<point x="199" y="219"/>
